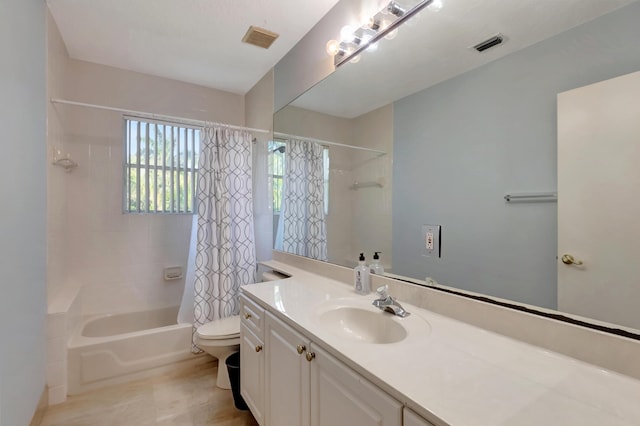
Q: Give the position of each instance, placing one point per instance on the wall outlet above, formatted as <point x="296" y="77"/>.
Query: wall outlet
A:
<point x="431" y="240"/>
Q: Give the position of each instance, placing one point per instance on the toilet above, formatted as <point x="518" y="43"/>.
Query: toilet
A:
<point x="221" y="338"/>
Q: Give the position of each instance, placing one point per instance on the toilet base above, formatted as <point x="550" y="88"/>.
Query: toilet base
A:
<point x="221" y="353"/>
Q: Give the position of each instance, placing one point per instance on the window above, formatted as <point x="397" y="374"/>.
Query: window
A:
<point x="277" y="156"/>
<point x="276" y="173"/>
<point x="160" y="167"/>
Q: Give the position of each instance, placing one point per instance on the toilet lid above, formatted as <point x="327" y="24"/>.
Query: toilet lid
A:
<point x="224" y="328"/>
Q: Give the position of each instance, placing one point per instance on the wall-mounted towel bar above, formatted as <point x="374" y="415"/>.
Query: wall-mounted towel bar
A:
<point x="532" y="197"/>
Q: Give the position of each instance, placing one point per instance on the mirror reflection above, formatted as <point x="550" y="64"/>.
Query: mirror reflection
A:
<point x="452" y="132"/>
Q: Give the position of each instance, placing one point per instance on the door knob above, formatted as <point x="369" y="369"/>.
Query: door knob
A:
<point x="258" y="348"/>
<point x="300" y="349"/>
<point x="247" y="316"/>
<point x="310" y="356"/>
<point x="567" y="259"/>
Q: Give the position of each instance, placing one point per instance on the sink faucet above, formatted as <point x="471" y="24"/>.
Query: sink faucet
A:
<point x="388" y="303"/>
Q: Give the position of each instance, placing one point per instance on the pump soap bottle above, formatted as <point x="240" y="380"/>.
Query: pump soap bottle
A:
<point x="361" y="277"/>
<point x="375" y="267"/>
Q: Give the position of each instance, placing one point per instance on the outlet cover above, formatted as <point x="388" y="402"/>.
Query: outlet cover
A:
<point x="431" y="239"/>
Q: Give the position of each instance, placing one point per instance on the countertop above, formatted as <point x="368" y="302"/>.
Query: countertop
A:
<point x="453" y="373"/>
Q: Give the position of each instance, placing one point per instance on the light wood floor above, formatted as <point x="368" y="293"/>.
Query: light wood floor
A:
<point x="187" y="398"/>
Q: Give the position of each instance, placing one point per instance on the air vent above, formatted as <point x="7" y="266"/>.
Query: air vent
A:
<point x="259" y="37"/>
<point x="488" y="44"/>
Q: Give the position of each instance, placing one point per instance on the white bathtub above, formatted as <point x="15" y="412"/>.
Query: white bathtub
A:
<point x="111" y="349"/>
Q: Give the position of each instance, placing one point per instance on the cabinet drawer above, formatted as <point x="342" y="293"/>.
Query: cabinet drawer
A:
<point x="252" y="316"/>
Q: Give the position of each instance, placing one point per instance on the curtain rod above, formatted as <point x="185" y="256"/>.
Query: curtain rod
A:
<point x="142" y="114"/>
<point x="323" y="142"/>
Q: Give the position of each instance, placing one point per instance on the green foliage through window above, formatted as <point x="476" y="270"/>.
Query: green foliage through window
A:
<point x="161" y="166"/>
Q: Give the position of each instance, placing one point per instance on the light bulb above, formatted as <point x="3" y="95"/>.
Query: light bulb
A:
<point x="384" y="23"/>
<point x="366" y="39"/>
<point x="346" y="33"/>
<point x="392" y="34"/>
<point x="436" y="5"/>
<point x="374" y="23"/>
<point x="333" y="47"/>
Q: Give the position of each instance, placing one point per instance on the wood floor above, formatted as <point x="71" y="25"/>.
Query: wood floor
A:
<point x="187" y="398"/>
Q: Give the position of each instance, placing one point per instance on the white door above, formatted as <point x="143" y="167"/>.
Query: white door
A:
<point x="252" y="372"/>
<point x="339" y="396"/>
<point x="287" y="375"/>
<point x="599" y="200"/>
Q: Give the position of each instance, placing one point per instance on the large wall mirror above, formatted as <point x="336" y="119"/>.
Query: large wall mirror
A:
<point x="438" y="134"/>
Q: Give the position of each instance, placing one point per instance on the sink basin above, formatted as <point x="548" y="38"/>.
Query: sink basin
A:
<point x="363" y="325"/>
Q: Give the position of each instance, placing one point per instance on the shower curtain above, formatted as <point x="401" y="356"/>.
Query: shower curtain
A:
<point x="302" y="228"/>
<point x="225" y="250"/>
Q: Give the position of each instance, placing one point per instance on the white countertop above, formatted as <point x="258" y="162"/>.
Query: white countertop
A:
<point x="458" y="374"/>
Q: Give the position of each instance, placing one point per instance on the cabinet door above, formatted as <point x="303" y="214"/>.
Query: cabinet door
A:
<point x="412" y="419"/>
<point x="287" y="375"/>
<point x="252" y="372"/>
<point x="339" y="396"/>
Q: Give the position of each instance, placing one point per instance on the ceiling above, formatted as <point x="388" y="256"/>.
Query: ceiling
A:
<point x="435" y="46"/>
<point x="196" y="41"/>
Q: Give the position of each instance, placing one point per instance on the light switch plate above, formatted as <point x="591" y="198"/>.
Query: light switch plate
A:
<point x="431" y="241"/>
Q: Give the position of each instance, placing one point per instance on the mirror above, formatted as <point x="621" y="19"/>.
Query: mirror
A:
<point x="452" y="132"/>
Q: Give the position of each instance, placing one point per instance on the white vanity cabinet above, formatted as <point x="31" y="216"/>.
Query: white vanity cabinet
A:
<point x="339" y="396"/>
<point x="287" y="375"/>
<point x="412" y="419"/>
<point x="252" y="366"/>
<point x="308" y="387"/>
<point x="286" y="379"/>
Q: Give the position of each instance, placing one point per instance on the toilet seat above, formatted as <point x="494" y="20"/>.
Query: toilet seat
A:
<point x="222" y="329"/>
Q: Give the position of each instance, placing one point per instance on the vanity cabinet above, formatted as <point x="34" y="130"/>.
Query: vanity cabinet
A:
<point x="308" y="387"/>
<point x="339" y="396"/>
<point x="287" y="375"/>
<point x="286" y="379"/>
<point x="252" y="359"/>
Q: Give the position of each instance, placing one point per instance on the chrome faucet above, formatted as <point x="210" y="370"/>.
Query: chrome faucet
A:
<point x="388" y="303"/>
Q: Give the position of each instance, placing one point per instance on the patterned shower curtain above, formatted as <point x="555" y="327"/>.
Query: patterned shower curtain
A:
<point x="304" y="230"/>
<point x="225" y="254"/>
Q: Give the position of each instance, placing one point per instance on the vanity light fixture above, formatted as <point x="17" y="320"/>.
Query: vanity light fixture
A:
<point x="395" y="9"/>
<point x="385" y="23"/>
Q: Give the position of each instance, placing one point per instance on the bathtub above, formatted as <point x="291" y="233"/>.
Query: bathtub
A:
<point x="111" y="349"/>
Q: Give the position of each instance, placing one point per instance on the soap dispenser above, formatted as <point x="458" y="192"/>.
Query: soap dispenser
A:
<point x="361" y="277"/>
<point x="375" y="267"/>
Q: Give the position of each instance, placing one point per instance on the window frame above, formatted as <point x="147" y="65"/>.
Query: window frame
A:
<point x="191" y="141"/>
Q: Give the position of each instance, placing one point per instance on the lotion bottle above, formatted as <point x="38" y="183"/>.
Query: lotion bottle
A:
<point x="361" y="277"/>
<point x="375" y="267"/>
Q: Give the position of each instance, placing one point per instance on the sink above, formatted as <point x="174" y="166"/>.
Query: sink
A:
<point x="363" y="325"/>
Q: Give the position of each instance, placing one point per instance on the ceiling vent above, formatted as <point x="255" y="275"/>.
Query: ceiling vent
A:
<point x="489" y="43"/>
<point x="259" y="37"/>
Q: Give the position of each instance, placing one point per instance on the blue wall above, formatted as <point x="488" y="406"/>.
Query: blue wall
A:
<point x="22" y="216"/>
<point x="461" y="145"/>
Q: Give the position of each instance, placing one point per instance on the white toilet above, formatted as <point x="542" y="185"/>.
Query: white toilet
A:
<point x="221" y="338"/>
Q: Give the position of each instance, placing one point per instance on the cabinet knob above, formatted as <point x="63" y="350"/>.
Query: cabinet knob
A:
<point x="301" y="348"/>
<point x="258" y="348"/>
<point x="310" y="356"/>
<point x="247" y="316"/>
